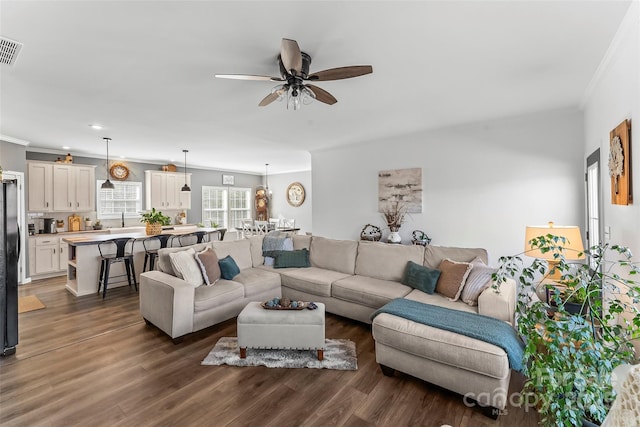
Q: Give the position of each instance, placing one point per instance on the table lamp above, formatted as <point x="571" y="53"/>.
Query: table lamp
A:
<point x="572" y="247"/>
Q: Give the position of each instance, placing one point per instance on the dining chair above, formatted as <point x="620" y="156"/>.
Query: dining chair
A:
<point x="289" y="223"/>
<point x="261" y="227"/>
<point x="247" y="228"/>
<point x="274" y="223"/>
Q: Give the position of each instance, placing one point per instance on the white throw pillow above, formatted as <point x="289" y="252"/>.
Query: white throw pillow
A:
<point x="478" y="280"/>
<point x="186" y="267"/>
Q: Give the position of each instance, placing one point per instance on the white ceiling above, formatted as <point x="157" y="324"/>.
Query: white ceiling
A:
<point x="145" y="69"/>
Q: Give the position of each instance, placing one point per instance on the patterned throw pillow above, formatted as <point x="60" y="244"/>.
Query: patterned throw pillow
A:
<point x="228" y="268"/>
<point x="420" y="277"/>
<point x="291" y="259"/>
<point x="208" y="262"/>
<point x="453" y="275"/>
<point x="186" y="267"/>
<point x="479" y="279"/>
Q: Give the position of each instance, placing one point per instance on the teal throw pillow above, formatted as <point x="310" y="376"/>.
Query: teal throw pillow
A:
<point x="420" y="277"/>
<point x="289" y="259"/>
<point x="228" y="268"/>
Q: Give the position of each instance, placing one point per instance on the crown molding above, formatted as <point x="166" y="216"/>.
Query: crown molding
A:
<point x="13" y="140"/>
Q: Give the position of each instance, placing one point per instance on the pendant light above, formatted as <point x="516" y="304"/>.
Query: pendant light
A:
<point x="185" y="187"/>
<point x="266" y="180"/>
<point x="107" y="185"/>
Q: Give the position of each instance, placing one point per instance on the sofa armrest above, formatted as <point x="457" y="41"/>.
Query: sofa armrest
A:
<point x="500" y="305"/>
<point x="167" y="302"/>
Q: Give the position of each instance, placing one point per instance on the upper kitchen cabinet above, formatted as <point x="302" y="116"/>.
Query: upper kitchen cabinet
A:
<point x="163" y="190"/>
<point x="55" y="187"/>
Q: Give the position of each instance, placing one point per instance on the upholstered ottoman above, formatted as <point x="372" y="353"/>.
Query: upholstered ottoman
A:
<point x="281" y="329"/>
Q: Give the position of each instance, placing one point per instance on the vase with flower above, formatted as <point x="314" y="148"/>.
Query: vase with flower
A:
<point x="394" y="214"/>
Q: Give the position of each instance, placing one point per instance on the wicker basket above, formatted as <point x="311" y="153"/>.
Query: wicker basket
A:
<point x="153" y="229"/>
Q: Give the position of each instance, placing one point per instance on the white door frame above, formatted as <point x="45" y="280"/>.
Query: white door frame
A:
<point x="22" y="223"/>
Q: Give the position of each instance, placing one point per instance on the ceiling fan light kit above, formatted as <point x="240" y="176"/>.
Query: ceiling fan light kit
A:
<point x="294" y="72"/>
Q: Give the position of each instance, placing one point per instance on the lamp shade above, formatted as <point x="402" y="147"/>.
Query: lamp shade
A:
<point x="572" y="246"/>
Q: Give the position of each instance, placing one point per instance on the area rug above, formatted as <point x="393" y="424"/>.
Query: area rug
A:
<point x="338" y="354"/>
<point x="29" y="303"/>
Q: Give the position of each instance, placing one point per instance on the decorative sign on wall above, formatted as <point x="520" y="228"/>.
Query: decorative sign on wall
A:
<point x="620" y="164"/>
<point x="227" y="179"/>
<point x="400" y="185"/>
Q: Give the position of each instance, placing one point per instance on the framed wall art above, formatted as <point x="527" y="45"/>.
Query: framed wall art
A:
<point x="620" y="164"/>
<point x="228" y="179"/>
<point x="400" y="185"/>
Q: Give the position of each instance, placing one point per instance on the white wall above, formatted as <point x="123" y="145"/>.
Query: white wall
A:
<point x="281" y="208"/>
<point x="483" y="183"/>
<point x="613" y="97"/>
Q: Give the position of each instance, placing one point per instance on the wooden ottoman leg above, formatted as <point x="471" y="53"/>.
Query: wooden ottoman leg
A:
<point x="320" y="354"/>
<point x="243" y="352"/>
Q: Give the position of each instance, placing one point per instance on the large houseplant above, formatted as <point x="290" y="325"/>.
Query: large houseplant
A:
<point x="154" y="221"/>
<point x="569" y="357"/>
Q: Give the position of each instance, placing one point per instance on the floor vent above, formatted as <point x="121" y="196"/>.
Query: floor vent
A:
<point x="9" y="50"/>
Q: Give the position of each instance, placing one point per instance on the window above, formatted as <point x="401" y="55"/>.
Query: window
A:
<point x="125" y="197"/>
<point x="226" y="207"/>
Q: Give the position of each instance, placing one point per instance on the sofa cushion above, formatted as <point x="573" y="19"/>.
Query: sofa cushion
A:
<point x="335" y="255"/>
<point x="420" y="277"/>
<point x="301" y="241"/>
<point x="225" y="291"/>
<point x="312" y="280"/>
<point x="208" y="262"/>
<point x="255" y="244"/>
<point x="453" y="275"/>
<point x="433" y="255"/>
<point x="257" y="281"/>
<point x="228" y="268"/>
<point x="385" y="261"/>
<point x="240" y="251"/>
<point x="480" y="278"/>
<point x="368" y="291"/>
<point x="290" y="259"/>
<point x="164" y="261"/>
<point x="186" y="267"/>
<point x="440" y="300"/>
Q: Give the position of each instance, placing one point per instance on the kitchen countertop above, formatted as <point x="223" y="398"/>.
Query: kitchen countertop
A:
<point x="108" y="230"/>
<point x="95" y="239"/>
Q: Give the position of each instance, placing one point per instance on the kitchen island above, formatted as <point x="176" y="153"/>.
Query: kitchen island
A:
<point x="83" y="265"/>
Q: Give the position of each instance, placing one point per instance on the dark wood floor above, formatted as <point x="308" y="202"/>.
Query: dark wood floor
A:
<point x="85" y="361"/>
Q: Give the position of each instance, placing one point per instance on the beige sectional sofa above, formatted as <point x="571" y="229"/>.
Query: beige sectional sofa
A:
<point x="353" y="279"/>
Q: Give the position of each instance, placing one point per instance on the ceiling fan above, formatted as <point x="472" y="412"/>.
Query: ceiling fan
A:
<point x="294" y="73"/>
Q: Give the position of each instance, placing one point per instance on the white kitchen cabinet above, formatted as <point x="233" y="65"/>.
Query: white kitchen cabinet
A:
<point x="40" y="180"/>
<point x="63" y="255"/>
<point x="163" y="190"/>
<point x="56" y="187"/>
<point x="73" y="188"/>
<point x="47" y="253"/>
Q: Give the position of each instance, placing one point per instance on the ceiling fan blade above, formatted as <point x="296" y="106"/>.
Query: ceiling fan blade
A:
<point x="291" y="56"/>
<point x="322" y="95"/>
<point x="341" y="73"/>
<point x="268" y="99"/>
<point x="248" y="77"/>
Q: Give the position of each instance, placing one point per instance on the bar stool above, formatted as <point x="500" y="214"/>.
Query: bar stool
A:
<point x="193" y="238"/>
<point x="151" y="252"/>
<point x="123" y="253"/>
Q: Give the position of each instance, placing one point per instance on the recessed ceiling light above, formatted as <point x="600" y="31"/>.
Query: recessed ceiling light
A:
<point x="64" y="147"/>
<point x="96" y="127"/>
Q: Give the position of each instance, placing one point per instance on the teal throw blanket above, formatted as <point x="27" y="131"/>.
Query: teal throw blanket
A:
<point x="484" y="328"/>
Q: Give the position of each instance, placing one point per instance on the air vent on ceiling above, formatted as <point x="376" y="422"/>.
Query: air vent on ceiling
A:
<point x="9" y="50"/>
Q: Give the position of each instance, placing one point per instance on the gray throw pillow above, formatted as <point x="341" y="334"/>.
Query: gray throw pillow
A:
<point x="420" y="277"/>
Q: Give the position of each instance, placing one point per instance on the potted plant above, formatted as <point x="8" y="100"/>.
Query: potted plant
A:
<point x="154" y="221"/>
<point x="97" y="225"/>
<point x="394" y="214"/>
<point x="569" y="356"/>
<point x="87" y="223"/>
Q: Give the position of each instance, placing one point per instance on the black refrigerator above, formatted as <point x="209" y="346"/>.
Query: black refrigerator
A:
<point x="9" y="254"/>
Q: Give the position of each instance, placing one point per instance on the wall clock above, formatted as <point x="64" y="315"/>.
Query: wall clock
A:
<point x="295" y="194"/>
<point x="119" y="171"/>
<point x="620" y="164"/>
